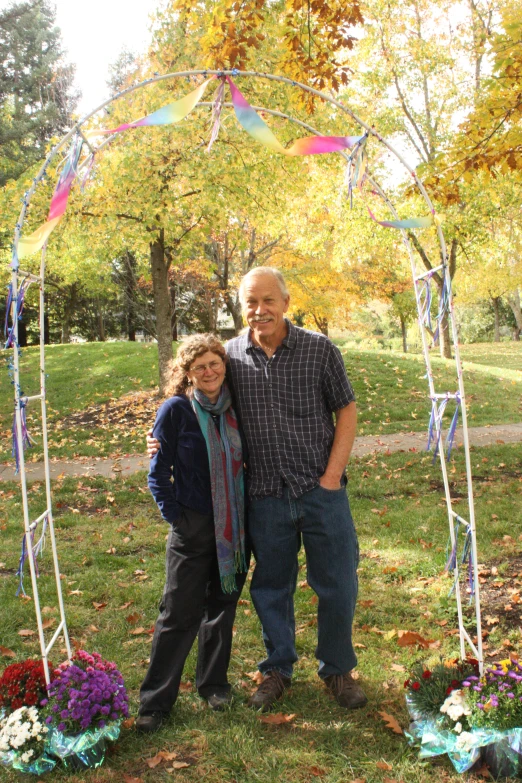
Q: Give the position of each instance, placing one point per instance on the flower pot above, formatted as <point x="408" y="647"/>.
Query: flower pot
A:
<point x="85" y="750"/>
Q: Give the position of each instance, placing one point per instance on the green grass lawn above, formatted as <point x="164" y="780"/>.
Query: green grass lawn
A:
<point x="391" y="391"/>
<point x="111" y="548"/>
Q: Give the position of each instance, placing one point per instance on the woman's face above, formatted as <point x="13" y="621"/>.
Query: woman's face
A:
<point x="207" y="374"/>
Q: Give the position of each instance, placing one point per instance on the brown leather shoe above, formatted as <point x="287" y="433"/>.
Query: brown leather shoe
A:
<point x="271" y="689"/>
<point x="346" y="691"/>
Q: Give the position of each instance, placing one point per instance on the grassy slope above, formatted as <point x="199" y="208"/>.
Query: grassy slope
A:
<point x="108" y="532"/>
<point x="391" y="391"/>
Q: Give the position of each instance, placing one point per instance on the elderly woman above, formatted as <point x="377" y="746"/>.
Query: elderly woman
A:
<point x="200" y="448"/>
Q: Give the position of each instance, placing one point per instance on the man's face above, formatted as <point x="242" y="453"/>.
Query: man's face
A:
<point x="264" y="306"/>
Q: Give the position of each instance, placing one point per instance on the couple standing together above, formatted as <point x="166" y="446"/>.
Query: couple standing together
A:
<point x="285" y="384"/>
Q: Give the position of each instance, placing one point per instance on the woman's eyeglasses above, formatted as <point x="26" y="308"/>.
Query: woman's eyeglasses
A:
<point x="199" y="369"/>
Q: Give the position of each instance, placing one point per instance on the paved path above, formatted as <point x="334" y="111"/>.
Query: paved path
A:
<point x="412" y="441"/>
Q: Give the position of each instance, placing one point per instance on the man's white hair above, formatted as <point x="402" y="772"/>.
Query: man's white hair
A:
<point x="257" y="272"/>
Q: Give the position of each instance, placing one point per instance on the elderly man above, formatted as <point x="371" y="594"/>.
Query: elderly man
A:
<point x="289" y="383"/>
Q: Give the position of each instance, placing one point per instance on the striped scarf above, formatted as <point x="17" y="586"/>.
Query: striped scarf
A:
<point x="225" y="459"/>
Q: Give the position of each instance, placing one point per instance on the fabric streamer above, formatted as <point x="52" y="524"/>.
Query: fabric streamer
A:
<point x="37" y="549"/>
<point x="453" y="427"/>
<point x="167" y="115"/>
<point x="250" y="120"/>
<point x="21" y="563"/>
<point x="435" y="424"/>
<point x="356" y="167"/>
<point x="443" y="307"/>
<point x="35" y="241"/>
<point x="217" y="108"/>
<point x="88" y="170"/>
<point x="425" y="306"/>
<point x="27" y="441"/>
<point x="451" y="562"/>
<point x="40" y="544"/>
<point x="8" y="304"/>
<point x="422" y="222"/>
<point x="18" y="309"/>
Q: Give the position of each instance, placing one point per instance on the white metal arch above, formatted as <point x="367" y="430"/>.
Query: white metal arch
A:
<point x="418" y="277"/>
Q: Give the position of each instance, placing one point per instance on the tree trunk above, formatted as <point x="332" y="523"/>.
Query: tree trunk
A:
<point x="444" y="327"/>
<point x="322" y="324"/>
<point x="99" y="319"/>
<point x="514" y="303"/>
<point x="160" y="287"/>
<point x="234" y="308"/>
<point x="403" y="332"/>
<point x="129" y="267"/>
<point x="496" y="310"/>
<point x="174" y="317"/>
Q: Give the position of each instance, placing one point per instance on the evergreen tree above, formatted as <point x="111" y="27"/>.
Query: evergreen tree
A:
<point x="36" y="93"/>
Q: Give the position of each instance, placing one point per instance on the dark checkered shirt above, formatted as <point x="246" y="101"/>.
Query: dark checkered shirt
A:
<point x="285" y="404"/>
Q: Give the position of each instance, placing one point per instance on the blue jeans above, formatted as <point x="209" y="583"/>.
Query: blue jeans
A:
<point x="323" y="520"/>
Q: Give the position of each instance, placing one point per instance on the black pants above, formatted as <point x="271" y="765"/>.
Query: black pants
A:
<point x="193" y="603"/>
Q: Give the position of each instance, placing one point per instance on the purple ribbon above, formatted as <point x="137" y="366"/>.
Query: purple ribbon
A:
<point x="26" y="438"/>
<point x="453" y="427"/>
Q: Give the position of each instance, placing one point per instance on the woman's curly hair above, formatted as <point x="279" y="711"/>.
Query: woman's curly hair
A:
<point x="188" y="352"/>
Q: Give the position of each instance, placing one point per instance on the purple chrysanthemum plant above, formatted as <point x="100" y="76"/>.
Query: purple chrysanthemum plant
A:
<point x="496" y="697"/>
<point x="86" y="693"/>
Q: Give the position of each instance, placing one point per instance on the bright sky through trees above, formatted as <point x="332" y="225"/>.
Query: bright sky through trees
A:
<point x="94" y="33"/>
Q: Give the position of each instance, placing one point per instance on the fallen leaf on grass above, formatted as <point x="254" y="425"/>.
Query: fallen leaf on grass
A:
<point x="185" y="687"/>
<point x="316" y="771"/>
<point x="484" y="772"/>
<point x="75" y="592"/>
<point x="398" y="667"/>
<point x="26" y="632"/>
<point x="93" y="628"/>
<point x="367" y="603"/>
<point x="362" y="646"/>
<point x="384" y="765"/>
<point x="168" y="755"/>
<point x="391" y="722"/>
<point x="257" y="677"/>
<point x="358" y="780"/>
<point x="277" y="718"/>
<point x="138" y="631"/>
<point x="154" y="761"/>
<point x="48" y="624"/>
<point x="125" y="605"/>
<point x="131" y="779"/>
<point x="133" y="618"/>
<point x="178" y="765"/>
<point x="412" y="638"/>
<point x="99" y="606"/>
<point x="6" y="652"/>
<point x="128" y="723"/>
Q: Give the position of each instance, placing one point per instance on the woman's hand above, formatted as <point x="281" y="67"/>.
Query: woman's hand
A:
<point x="153" y="445"/>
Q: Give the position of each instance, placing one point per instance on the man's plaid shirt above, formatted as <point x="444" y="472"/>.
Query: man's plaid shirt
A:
<point x="285" y="404"/>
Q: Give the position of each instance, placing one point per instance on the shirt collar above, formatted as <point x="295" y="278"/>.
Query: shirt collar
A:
<point x="289" y="341"/>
